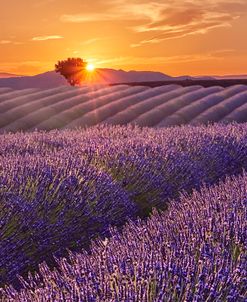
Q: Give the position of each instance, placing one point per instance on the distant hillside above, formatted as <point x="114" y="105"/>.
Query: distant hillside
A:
<point x="106" y="76"/>
<point x="189" y="82"/>
<point x="5" y="75"/>
<point x="102" y="75"/>
<point x="241" y="76"/>
<point x="45" y="80"/>
<point x="118" y="76"/>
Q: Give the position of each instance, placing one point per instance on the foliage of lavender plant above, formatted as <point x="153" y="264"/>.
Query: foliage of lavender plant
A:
<point x="48" y="206"/>
<point x="194" y="251"/>
<point x="59" y="190"/>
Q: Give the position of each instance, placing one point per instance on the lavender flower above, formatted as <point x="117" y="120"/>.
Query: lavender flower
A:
<point x="62" y="189"/>
<point x="194" y="251"/>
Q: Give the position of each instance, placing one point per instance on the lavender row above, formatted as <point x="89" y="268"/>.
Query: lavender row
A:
<point x="59" y="190"/>
<point x="48" y="206"/>
<point x="194" y="251"/>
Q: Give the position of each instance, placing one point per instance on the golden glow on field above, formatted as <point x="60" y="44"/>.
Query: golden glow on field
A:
<point x="177" y="37"/>
<point x="90" y="67"/>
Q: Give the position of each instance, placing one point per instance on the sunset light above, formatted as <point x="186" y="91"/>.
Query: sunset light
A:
<point x="90" y="67"/>
<point x="123" y="167"/>
<point x="174" y="37"/>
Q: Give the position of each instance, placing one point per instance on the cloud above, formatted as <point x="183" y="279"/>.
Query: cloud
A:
<point x="6" y="42"/>
<point x="78" y="18"/>
<point x="125" y="61"/>
<point x="222" y="53"/>
<point x="45" y="38"/>
<point x="91" y="41"/>
<point x="3" y="42"/>
<point x="182" y="31"/>
<point x="168" y="19"/>
<point x="23" y="67"/>
<point x="117" y="10"/>
<point x="185" y="18"/>
<point x="159" y="60"/>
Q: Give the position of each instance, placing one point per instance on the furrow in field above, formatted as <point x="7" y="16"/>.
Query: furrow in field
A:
<point x="16" y="102"/>
<point x="100" y="115"/>
<point x="140" y="106"/>
<point x="13" y="94"/>
<point x="91" y="113"/>
<point x="214" y="100"/>
<point x="239" y="115"/>
<point x="180" y="117"/>
<point x="76" y="106"/>
<point x="52" y="105"/>
<point x="24" y="110"/>
<point x="154" y="116"/>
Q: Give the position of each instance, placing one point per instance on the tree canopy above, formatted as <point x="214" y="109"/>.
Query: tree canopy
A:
<point x="73" y="69"/>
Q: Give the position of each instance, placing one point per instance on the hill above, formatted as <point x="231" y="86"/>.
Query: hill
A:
<point x="164" y="106"/>
<point x="44" y="81"/>
<point x="5" y="75"/>
<point x="52" y="79"/>
<point x="107" y="75"/>
<point x="241" y="76"/>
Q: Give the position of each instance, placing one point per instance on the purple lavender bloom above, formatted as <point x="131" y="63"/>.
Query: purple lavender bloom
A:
<point x="160" y="259"/>
<point x="60" y="190"/>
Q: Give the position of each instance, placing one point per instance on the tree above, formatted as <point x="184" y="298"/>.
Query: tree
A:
<point x="73" y="69"/>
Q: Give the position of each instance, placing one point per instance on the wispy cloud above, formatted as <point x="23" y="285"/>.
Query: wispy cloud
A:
<point x="178" y="19"/>
<point x="23" y="67"/>
<point x="159" y="60"/>
<point x="80" y="18"/>
<point x="3" y="42"/>
<point x="6" y="42"/>
<point x="181" y="32"/>
<point x="166" y="19"/>
<point x="45" y="38"/>
<point x="116" y="11"/>
<point x="91" y="41"/>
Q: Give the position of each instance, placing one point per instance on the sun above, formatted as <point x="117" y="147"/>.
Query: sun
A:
<point x="90" y="67"/>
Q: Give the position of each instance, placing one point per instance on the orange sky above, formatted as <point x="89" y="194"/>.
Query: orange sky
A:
<point x="176" y="37"/>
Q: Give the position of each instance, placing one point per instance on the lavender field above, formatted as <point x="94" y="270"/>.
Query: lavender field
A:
<point x="165" y="106"/>
<point x="122" y="213"/>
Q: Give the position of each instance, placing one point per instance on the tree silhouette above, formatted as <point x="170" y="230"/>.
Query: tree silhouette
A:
<point x="73" y="69"/>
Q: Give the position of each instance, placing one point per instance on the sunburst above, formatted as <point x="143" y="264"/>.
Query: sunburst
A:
<point x="90" y="67"/>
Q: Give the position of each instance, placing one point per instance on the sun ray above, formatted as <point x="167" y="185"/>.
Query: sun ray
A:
<point x="90" y="67"/>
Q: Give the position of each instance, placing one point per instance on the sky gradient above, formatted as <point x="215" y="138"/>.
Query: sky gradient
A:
<point x="176" y="37"/>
